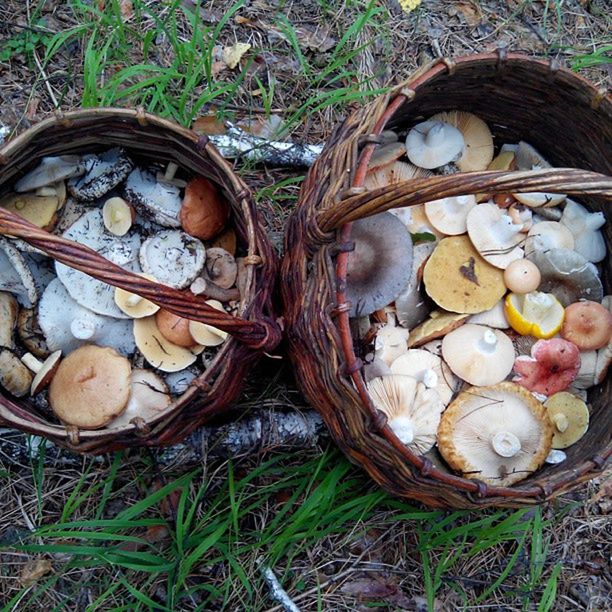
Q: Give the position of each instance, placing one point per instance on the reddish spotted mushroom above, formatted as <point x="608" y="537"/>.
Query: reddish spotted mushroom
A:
<point x="552" y="367"/>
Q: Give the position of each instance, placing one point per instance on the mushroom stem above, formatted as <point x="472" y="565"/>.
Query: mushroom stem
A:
<point x="83" y="329"/>
<point x="133" y="300"/>
<point x="505" y="444"/>
<point x="560" y="421"/>
<point x="32" y="363"/>
<point x="210" y="290"/>
<point x="488" y="342"/>
<point x="170" y="172"/>
<point x="402" y="427"/>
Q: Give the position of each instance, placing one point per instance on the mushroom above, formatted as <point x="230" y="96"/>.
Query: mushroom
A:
<point x="386" y="155"/>
<point x="204" y="212"/>
<point x="569" y="416"/>
<point x="412" y="410"/>
<point x="14" y="375"/>
<point x="68" y="325"/>
<point x="169" y="176"/>
<point x="585" y="379"/>
<point x="102" y="173"/>
<point x="49" y="171"/>
<point x="87" y="291"/>
<point x="439" y="324"/>
<point x="415" y="220"/>
<point x="503" y="162"/>
<point x="225" y="240"/>
<point x="43" y="371"/>
<point x="8" y="319"/>
<point x="173" y="257"/>
<point x="391" y="174"/>
<point x="584" y="227"/>
<point x="38" y="210"/>
<point x="207" y="335"/>
<point x="201" y="286"/>
<point x="520" y="215"/>
<point x="478" y="354"/>
<point x="15" y="275"/>
<point x="458" y="279"/>
<point x="432" y="144"/>
<point x="91" y="387"/>
<point x="494" y="235"/>
<point x="522" y="276"/>
<point x="478" y="151"/>
<point x="374" y="367"/>
<point x="555" y="457"/>
<point x="428" y="369"/>
<point x="117" y="216"/>
<point x="220" y="267"/>
<point x="604" y="358"/>
<point x="132" y="304"/>
<point x="552" y="367"/>
<point x="547" y="235"/>
<point x="178" y="382"/>
<point x="497" y="434"/>
<point x="588" y="325"/>
<point x="494" y="317"/>
<point x="380" y="266"/>
<point x="57" y="190"/>
<point x="159" y="202"/>
<point x="391" y="341"/>
<point x="30" y="334"/>
<point x="449" y="215"/>
<point x="173" y="328"/>
<point x="70" y="213"/>
<point x="149" y="396"/>
<point x="158" y="351"/>
<point x="568" y="276"/>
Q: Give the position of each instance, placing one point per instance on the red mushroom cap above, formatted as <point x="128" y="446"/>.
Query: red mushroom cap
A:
<point x="588" y="325"/>
<point x="552" y="367"/>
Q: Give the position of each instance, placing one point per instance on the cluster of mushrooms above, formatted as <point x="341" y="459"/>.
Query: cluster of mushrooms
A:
<point x="481" y="320"/>
<point x="108" y="356"/>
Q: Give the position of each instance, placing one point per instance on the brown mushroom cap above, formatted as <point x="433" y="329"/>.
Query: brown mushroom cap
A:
<point x="458" y="279"/>
<point x="91" y="387"/>
<point x="439" y="324"/>
<point x="204" y="211"/>
<point x="220" y="267"/>
<point x="173" y="328"/>
<point x="498" y="434"/>
<point x="588" y="325"/>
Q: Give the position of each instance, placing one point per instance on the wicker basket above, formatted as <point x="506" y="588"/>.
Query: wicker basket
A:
<point x="562" y="115"/>
<point x="147" y="137"/>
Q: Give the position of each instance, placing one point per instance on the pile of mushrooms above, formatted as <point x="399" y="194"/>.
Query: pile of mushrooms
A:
<point x="482" y="320"/>
<point x="90" y="355"/>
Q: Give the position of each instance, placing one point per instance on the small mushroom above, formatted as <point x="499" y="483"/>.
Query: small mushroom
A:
<point x="478" y="151"/>
<point x="494" y="317"/>
<point x="428" y="369"/>
<point x="91" y="387"/>
<point x="458" y="279"/>
<point x="207" y="335"/>
<point x="225" y="240"/>
<point x="173" y="257"/>
<point x="49" y="171"/>
<point x="149" y="396"/>
<point x="14" y="375"/>
<point x="204" y="212"/>
<point x="117" y="216"/>
<point x="386" y="155"/>
<point x="102" y="173"/>
<point x="568" y="276"/>
<point x="159" y="352"/>
<point x="202" y="286"/>
<point x="604" y="358"/>
<point x="220" y="267"/>
<point x="43" y="371"/>
<point x="588" y="325"/>
<point x="449" y="215"/>
<point x="522" y="276"/>
<point x="412" y="410"/>
<point x="391" y="174"/>
<point x="478" y="354"/>
<point x="584" y="227"/>
<point x="439" y="324"/>
<point x="569" y="416"/>
<point x="520" y="215"/>
<point x="381" y="264"/>
<point x="159" y="202"/>
<point x="547" y="235"/>
<point x="391" y="341"/>
<point x="30" y="334"/>
<point x="432" y="144"/>
<point x="38" y="210"/>
<point x="168" y="176"/>
<point x="173" y="328"/>
<point x="497" y="434"/>
<point x="494" y="235"/>
<point x="132" y="304"/>
<point x="555" y="457"/>
<point x="552" y="367"/>
<point x="15" y="275"/>
<point x="8" y="319"/>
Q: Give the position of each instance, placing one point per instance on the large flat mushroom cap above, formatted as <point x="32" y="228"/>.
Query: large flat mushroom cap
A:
<point x="51" y="170"/>
<point x="483" y="416"/>
<point x="380" y="266"/>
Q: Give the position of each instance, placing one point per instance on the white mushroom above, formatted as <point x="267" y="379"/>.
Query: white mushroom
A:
<point x="584" y="226"/>
<point x="15" y="275"/>
<point x="432" y="144"/>
<point x="169" y="176"/>
<point x="391" y="341"/>
<point x="449" y="215"/>
<point x="51" y="170"/>
<point x="547" y="235"/>
<point x="494" y="317"/>
<point x="103" y="173"/>
<point x="172" y="257"/>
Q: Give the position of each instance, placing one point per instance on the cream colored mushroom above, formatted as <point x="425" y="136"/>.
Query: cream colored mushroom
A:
<point x="132" y="304"/>
<point x="391" y="340"/>
<point x="390" y="174"/>
<point x="569" y="416"/>
<point x="207" y="335"/>
<point x="118" y="216"/>
<point x="494" y="317"/>
<point x="43" y="371"/>
<point x="449" y="215"/>
<point x="547" y="235"/>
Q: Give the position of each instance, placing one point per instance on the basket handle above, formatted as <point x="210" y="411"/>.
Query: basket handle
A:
<point x="419" y="191"/>
<point x="263" y="334"/>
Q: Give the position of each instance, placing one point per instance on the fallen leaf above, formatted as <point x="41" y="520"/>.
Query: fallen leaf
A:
<point x="376" y="588"/>
<point x="261" y="126"/>
<point x="34" y="570"/>
<point x="231" y="56"/>
<point x="127" y="9"/>
<point x="156" y="533"/>
<point x="470" y="11"/>
<point x="209" y="125"/>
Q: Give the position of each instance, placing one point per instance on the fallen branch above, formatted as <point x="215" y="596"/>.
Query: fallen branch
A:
<point x="277" y="593"/>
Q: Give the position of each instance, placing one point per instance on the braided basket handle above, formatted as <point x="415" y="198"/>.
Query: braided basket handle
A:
<point x="263" y="334"/>
<point x="418" y="191"/>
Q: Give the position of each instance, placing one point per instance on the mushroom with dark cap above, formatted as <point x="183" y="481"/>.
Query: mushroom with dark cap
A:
<point x="15" y="377"/>
<point x="30" y="334"/>
<point x="432" y="144"/>
<point x="43" y="371"/>
<point x="204" y="212"/>
<point x="173" y="328"/>
<point x="380" y="266"/>
<point x="497" y="434"/>
<point x="51" y="170"/>
<point x="102" y="173"/>
<point x="588" y="325"/>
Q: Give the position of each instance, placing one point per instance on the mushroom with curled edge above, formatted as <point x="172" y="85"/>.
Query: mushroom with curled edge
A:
<point x="547" y="235"/>
<point x="393" y="173"/>
<point x="534" y="314"/>
<point x="449" y="215"/>
<point x="49" y="171"/>
<point x="102" y="174"/>
<point x="91" y="387"/>
<point x="478" y="354"/>
<point x="588" y="325"/>
<point x="497" y="434"/>
<point x="436" y="326"/>
<point x="432" y="144"/>
<point x="569" y="416"/>
<point x="134" y="305"/>
<point x="204" y="211"/>
<point x="391" y="340"/>
<point x="380" y="265"/>
<point x="118" y="216"/>
<point x="15" y="377"/>
<point x="585" y="227"/>
<point x="412" y="410"/>
<point x="15" y="275"/>
<point x="478" y="150"/>
<point x="43" y="371"/>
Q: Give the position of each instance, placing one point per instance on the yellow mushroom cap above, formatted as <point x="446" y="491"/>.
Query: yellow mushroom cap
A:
<point x="569" y="416"/>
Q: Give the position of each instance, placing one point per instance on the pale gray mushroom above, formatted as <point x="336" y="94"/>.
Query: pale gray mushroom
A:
<point x="49" y="171"/>
<point x="14" y="375"/>
<point x="179" y="382"/>
<point x="89" y="292"/>
<point x="160" y="202"/>
<point x="103" y="173"/>
<point x="68" y="325"/>
<point x="546" y="235"/>
<point x="584" y="226"/>
<point x="173" y="257"/>
<point x="432" y="144"/>
<point x="70" y="213"/>
<point x="8" y="319"/>
<point x="15" y="275"/>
